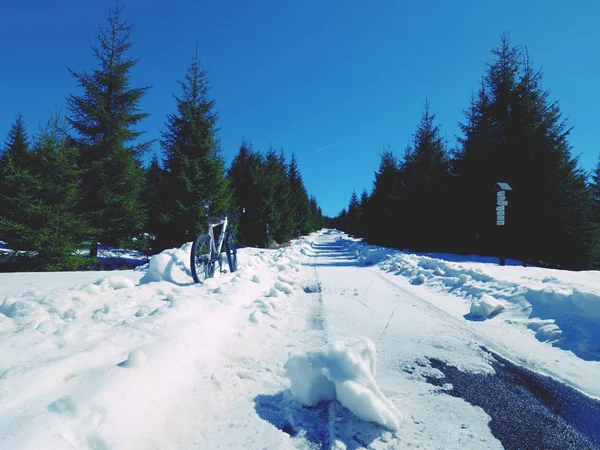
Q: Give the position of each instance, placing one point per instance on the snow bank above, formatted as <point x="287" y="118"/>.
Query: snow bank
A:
<point x="170" y="265"/>
<point x="570" y="300"/>
<point x="566" y="302"/>
<point x="343" y="370"/>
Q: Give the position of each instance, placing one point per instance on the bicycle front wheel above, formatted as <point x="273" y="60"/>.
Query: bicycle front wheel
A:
<point x="231" y="252"/>
<point x="201" y="264"/>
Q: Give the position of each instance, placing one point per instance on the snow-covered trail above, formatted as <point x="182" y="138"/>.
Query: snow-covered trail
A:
<point x="147" y="359"/>
<point x="358" y="300"/>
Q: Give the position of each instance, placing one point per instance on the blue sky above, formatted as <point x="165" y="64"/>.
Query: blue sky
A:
<point x="334" y="81"/>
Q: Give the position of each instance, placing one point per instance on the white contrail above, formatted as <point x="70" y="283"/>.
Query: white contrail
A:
<point x="327" y="146"/>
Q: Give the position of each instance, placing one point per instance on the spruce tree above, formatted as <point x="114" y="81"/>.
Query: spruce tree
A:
<point x="245" y="178"/>
<point x="274" y="195"/>
<point x="194" y="161"/>
<point x="103" y="118"/>
<point x="153" y="198"/>
<point x="43" y="214"/>
<point x="15" y="156"/>
<point x="354" y="214"/>
<point x="299" y="200"/>
<point x="16" y="146"/>
<point x="425" y="173"/>
<point x="514" y="134"/>
<point x="364" y="201"/>
<point x="317" y="220"/>
<point x="382" y="215"/>
<point x="595" y="218"/>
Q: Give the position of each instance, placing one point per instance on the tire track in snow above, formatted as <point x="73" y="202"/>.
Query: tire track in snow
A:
<point x="344" y="430"/>
<point x="319" y="323"/>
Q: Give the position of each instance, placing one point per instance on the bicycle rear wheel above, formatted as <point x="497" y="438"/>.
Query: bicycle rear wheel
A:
<point x="201" y="263"/>
<point x="231" y="252"/>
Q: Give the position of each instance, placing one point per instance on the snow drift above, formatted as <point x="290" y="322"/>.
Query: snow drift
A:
<point x="569" y="301"/>
<point x="343" y="370"/>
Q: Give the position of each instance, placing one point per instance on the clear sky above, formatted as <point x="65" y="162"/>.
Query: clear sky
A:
<point x="334" y="81"/>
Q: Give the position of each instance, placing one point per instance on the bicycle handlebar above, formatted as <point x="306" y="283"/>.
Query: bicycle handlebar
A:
<point x="233" y="213"/>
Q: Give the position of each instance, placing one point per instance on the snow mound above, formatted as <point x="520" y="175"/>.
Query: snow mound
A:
<point x="170" y="265"/>
<point x="486" y="306"/>
<point x="343" y="370"/>
<point x="136" y="359"/>
<point x="114" y="283"/>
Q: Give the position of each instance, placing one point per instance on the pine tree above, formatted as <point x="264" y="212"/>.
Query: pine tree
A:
<point x="194" y="161"/>
<point x="472" y="169"/>
<point x="153" y="197"/>
<point x="43" y="215"/>
<point x="364" y="201"/>
<point x="16" y="146"/>
<point x="317" y="220"/>
<point x="299" y="201"/>
<point x="104" y="117"/>
<point x="514" y="134"/>
<point x="595" y="218"/>
<point x="274" y="195"/>
<point x="14" y="157"/>
<point x="354" y="214"/>
<point x="595" y="192"/>
<point x="382" y="214"/>
<point x="425" y="173"/>
<point x="245" y="175"/>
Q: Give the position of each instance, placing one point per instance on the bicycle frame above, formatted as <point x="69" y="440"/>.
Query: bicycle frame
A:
<point x="216" y="247"/>
<point x="206" y="250"/>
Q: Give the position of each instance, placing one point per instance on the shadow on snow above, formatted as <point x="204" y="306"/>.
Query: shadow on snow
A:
<point x="315" y="424"/>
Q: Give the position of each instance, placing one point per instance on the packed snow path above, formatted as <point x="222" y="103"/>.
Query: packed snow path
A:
<point x="328" y="343"/>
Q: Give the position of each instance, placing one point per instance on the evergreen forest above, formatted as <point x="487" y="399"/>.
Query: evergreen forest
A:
<point x="439" y="199"/>
<point x="80" y="181"/>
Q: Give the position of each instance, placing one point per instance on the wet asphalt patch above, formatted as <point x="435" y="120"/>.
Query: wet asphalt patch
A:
<point x="527" y="410"/>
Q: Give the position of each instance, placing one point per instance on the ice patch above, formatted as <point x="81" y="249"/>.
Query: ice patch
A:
<point x="486" y="306"/>
<point x="343" y="370"/>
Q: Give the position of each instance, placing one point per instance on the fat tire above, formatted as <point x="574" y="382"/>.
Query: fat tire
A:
<point x="201" y="264"/>
<point x="231" y="252"/>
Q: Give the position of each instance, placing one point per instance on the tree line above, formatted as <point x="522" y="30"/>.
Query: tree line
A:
<point x="436" y="199"/>
<point x="80" y="180"/>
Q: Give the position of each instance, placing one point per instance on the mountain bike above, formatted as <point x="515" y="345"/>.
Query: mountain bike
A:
<point x="206" y="253"/>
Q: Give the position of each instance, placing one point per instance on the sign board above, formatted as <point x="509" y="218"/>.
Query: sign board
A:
<point x="500" y="205"/>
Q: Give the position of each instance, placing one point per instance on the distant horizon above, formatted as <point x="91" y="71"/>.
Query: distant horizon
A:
<point x="333" y="83"/>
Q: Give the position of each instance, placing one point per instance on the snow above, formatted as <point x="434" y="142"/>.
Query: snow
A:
<point x="322" y="344"/>
<point x="343" y="370"/>
<point x="171" y="265"/>
<point x="485" y="307"/>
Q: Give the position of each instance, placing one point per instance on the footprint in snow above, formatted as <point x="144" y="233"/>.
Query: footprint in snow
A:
<point x="283" y="287"/>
